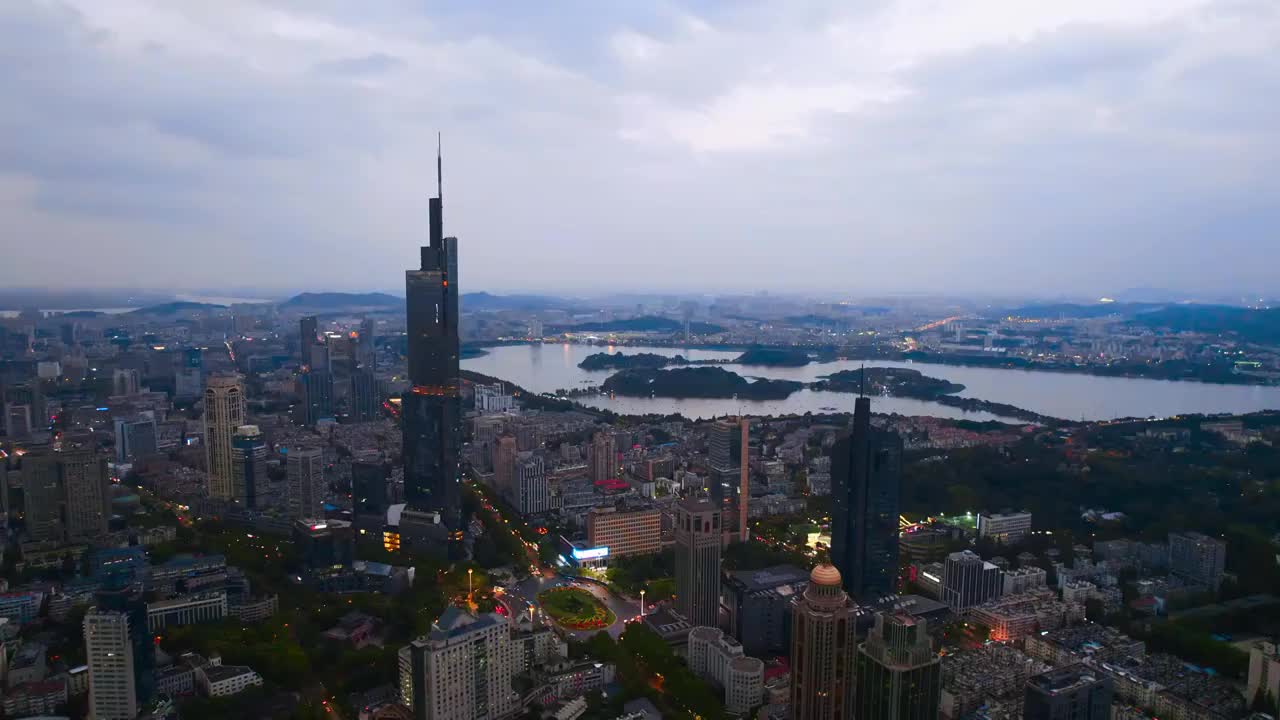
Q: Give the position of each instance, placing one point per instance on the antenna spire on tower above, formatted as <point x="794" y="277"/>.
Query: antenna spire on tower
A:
<point x="439" y="169"/>
<point x="862" y="381"/>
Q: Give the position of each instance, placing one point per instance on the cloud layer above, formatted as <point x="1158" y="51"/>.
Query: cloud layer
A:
<point x="884" y="146"/>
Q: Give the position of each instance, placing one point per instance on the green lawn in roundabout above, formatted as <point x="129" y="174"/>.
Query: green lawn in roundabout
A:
<point x="575" y="609"/>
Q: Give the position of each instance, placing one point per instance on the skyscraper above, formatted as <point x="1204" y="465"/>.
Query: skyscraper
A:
<point x="604" y="457"/>
<point x="369" y="493"/>
<point x="112" y="692"/>
<point x="248" y="465"/>
<point x="135" y="437"/>
<point x="223" y="413"/>
<point x="1197" y="557"/>
<point x="308" y="336"/>
<point x="317" y="393"/>
<point x="305" y="469"/>
<point x="190" y="374"/>
<point x="727" y="443"/>
<point x="431" y="410"/>
<point x="1068" y="693"/>
<point x="866" y="472"/>
<point x="86" y="485"/>
<point x="125" y="381"/>
<point x="463" y="669"/>
<point x="504" y="466"/>
<point x="531" y="493"/>
<point x="698" y="544"/>
<point x="968" y="580"/>
<point x="366" y="351"/>
<point x="122" y="594"/>
<point x="899" y="675"/>
<point x="823" y="642"/>
<point x="42" y="495"/>
<point x="366" y="401"/>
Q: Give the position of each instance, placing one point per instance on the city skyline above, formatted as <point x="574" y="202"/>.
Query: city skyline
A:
<point x="1044" y="148"/>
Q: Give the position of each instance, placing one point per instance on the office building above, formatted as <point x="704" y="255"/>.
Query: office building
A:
<point x="366" y="398"/>
<point x="604" y="457"/>
<point x="1023" y="579"/>
<point x="67" y="495"/>
<point x="698" y="543"/>
<point x="718" y="658"/>
<point x="308" y="337"/>
<point x="504" y="466"/>
<point x="125" y="381"/>
<point x="135" y="438"/>
<point x="968" y="580"/>
<point x="317" y="396"/>
<point x="248" y="465"/>
<point x="1005" y="528"/>
<point x="122" y="594"/>
<point x="532" y="496"/>
<point x="463" y="669"/>
<point x="758" y="604"/>
<point x="324" y="544"/>
<point x="899" y="676"/>
<point x="493" y="398"/>
<point x="86" y="487"/>
<point x="1068" y="693"/>
<point x="366" y="346"/>
<point x="1197" y="558"/>
<point x="304" y="468"/>
<point x="823" y="648"/>
<point x="186" y="610"/>
<point x="431" y="410"/>
<point x="224" y="411"/>
<point x="727" y="455"/>
<point x="189" y="377"/>
<point x="1264" y="674"/>
<point x="369" y="501"/>
<point x="625" y="529"/>
<point x="109" y="650"/>
<point x="866" y="472"/>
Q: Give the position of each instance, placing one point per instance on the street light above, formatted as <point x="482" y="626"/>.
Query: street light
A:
<point x="642" y="602"/>
<point x="469" y="571"/>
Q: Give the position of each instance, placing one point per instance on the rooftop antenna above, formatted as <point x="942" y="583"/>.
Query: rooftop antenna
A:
<point x="439" y="170"/>
<point x="862" y="381"/>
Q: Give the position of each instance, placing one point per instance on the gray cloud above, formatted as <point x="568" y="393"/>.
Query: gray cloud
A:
<point x="901" y="146"/>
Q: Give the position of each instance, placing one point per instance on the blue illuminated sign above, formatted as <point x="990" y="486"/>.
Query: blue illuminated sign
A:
<point x="594" y="553"/>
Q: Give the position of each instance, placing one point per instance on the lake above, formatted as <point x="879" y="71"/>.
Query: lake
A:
<point x="1073" y="396"/>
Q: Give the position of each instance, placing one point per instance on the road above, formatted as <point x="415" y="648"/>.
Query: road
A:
<point x="525" y="593"/>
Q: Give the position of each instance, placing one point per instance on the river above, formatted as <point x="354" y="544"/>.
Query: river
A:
<point x="1073" y="396"/>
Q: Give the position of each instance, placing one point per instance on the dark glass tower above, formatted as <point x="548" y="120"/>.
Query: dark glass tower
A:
<point x="432" y="409"/>
<point x="866" y="469"/>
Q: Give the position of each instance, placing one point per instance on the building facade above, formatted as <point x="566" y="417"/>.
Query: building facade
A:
<point x="899" y="674"/>
<point x="224" y="411"/>
<point x="463" y="669"/>
<point x="866" y="469"/>
<point x="1004" y="527"/>
<point x="305" y="472"/>
<point x="823" y="649"/>
<point x="625" y="530"/>
<point x="968" y="580"/>
<point x="697" y="560"/>
<point x="1197" y="557"/>
<point x="1069" y="693"/>
<point x="758" y="604"/>
<point x="112" y="693"/>
<point x="248" y="465"/>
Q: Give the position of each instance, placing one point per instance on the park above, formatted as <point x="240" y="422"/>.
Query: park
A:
<point x="575" y="609"/>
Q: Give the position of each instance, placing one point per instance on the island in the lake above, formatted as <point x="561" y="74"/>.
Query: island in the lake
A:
<point x="900" y="382"/>
<point x="696" y="382"/>
<point x="773" y="357"/>
<point x="622" y="361"/>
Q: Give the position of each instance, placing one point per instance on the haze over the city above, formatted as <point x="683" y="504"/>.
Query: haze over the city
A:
<point x="894" y="146"/>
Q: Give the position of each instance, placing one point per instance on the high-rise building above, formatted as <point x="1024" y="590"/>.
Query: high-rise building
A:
<point x="823" y="648"/>
<point x="366" y="350"/>
<point x="504" y="467"/>
<point x="866" y="473"/>
<point x="125" y="381"/>
<point x="135" y="438"/>
<point x="698" y="544"/>
<point x="431" y="410"/>
<point x="305" y="470"/>
<point x="532" y="495"/>
<point x="604" y="457"/>
<point x="899" y="675"/>
<point x="109" y="651"/>
<point x="968" y="580"/>
<point x="308" y="337"/>
<point x="1068" y="693"/>
<point x="1264" y="674"/>
<point x="1197" y="557"/>
<point x="122" y="593"/>
<point x="223" y="413"/>
<point x="463" y="669"/>
<point x="366" y="400"/>
<point x="369" y="500"/>
<point x="248" y="465"/>
<point x="189" y="377"/>
<point x="1008" y="527"/>
<point x="86" y="487"/>
<point x="714" y="656"/>
<point x="67" y="495"/>
<point x="758" y="606"/>
<point x="317" y="394"/>
<point x="727" y="457"/>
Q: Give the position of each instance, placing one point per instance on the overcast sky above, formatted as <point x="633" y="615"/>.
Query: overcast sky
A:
<point x="1054" y="146"/>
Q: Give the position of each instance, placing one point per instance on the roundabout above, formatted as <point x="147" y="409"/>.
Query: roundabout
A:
<point x="575" y="609"/>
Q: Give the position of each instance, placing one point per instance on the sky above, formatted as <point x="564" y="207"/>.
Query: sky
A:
<point x="865" y="147"/>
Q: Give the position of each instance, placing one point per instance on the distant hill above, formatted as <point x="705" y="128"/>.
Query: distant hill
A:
<point x="486" y="302"/>
<point x="646" y="323"/>
<point x="1077" y="310"/>
<point x="1260" y="326"/>
<point x="173" y="308"/>
<point x="340" y="300"/>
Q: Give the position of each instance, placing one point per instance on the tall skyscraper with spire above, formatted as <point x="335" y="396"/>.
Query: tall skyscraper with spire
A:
<point x="866" y="469"/>
<point x="432" y="409"/>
